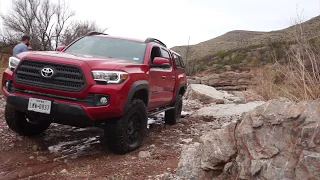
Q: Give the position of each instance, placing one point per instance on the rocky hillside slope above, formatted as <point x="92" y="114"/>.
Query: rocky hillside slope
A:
<point x="247" y="47"/>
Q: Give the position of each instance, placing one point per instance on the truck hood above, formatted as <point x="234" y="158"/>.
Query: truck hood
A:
<point x="95" y="62"/>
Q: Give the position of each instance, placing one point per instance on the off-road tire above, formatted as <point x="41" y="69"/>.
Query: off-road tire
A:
<point x="173" y="116"/>
<point x="17" y="122"/>
<point x="127" y="133"/>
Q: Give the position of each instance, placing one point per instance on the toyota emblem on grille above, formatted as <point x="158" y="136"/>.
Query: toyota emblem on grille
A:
<point x="47" y="72"/>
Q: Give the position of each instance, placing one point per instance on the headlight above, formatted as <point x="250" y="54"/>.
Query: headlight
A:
<point x="112" y="77"/>
<point x="13" y="62"/>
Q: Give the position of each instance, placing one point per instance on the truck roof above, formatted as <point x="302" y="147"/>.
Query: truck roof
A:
<point x="119" y="37"/>
<point x="148" y="40"/>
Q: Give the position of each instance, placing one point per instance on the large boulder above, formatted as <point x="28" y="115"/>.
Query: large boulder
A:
<point x="218" y="147"/>
<point x="207" y="94"/>
<point x="229" y="80"/>
<point x="226" y="110"/>
<point x="203" y="160"/>
<point x="189" y="164"/>
<point x="207" y="159"/>
<point x="277" y="140"/>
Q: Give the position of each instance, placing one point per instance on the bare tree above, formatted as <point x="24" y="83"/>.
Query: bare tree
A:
<point x="43" y="20"/>
<point x="63" y="14"/>
<point x="78" y="29"/>
<point x="7" y="41"/>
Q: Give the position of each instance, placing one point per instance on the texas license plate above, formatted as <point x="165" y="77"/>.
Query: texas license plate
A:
<point x="39" y="105"/>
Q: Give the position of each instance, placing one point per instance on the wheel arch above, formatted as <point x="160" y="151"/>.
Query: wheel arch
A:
<point x="180" y="90"/>
<point x="140" y="90"/>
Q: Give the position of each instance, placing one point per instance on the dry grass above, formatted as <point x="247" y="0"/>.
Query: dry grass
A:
<point x="3" y="64"/>
<point x="297" y="79"/>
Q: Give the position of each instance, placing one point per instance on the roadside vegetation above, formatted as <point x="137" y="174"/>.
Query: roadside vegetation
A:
<point x="281" y="68"/>
<point x="244" y="58"/>
<point x="299" y="77"/>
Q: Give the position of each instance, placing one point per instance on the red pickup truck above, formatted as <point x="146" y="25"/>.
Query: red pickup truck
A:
<point x="98" y="80"/>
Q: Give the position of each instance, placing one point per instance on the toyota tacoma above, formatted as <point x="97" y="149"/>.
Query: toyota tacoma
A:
<point x="98" y="80"/>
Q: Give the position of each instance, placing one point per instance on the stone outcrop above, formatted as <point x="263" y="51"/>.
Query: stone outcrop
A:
<point x="229" y="80"/>
<point x="226" y="110"/>
<point x="207" y="94"/>
<point x="277" y="140"/>
<point x="189" y="164"/>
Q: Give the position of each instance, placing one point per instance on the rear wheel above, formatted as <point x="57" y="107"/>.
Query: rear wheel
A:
<point x="173" y="116"/>
<point x="127" y="133"/>
<point x="23" y="124"/>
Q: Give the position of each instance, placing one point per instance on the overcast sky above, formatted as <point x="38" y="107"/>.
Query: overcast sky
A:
<point x="173" y="21"/>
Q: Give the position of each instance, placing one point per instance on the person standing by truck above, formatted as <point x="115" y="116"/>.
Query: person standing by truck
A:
<point x="23" y="46"/>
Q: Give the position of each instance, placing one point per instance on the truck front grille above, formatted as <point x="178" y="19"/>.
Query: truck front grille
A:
<point x="65" y="77"/>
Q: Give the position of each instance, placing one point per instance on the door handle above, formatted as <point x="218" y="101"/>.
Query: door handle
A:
<point x="173" y="78"/>
<point x="163" y="77"/>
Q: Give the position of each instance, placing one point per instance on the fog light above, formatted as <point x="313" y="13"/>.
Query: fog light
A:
<point x="7" y="85"/>
<point x="104" y="100"/>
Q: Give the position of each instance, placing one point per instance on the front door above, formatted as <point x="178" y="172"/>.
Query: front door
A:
<point x="159" y="95"/>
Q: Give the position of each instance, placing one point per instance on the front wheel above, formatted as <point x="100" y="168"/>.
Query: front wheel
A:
<point x="173" y="116"/>
<point x="126" y="134"/>
<point x="23" y="124"/>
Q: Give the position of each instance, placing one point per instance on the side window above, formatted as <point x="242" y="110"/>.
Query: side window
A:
<point x="155" y="52"/>
<point x="181" y="62"/>
<point x="165" y="54"/>
<point x="176" y="60"/>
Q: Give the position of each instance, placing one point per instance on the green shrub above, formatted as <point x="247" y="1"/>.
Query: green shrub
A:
<point x="313" y="41"/>
<point x="201" y="67"/>
<point x="220" y="66"/>
<point x="222" y="54"/>
<point x="276" y="44"/>
<point x="280" y="53"/>
<point x="262" y="51"/>
<point x="269" y="60"/>
<point x="238" y="59"/>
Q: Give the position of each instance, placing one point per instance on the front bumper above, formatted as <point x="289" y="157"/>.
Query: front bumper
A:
<point x="75" y="112"/>
<point x="63" y="113"/>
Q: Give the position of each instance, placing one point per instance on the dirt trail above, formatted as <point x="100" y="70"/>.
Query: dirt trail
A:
<point x="65" y="152"/>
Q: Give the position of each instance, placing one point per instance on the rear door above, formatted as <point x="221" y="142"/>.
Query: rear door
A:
<point x="168" y="73"/>
<point x="179" y="71"/>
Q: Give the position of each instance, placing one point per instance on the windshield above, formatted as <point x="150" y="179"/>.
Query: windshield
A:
<point x="109" y="48"/>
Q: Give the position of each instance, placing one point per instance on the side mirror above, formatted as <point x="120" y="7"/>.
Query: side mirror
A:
<point x="160" y="62"/>
<point x="60" y="48"/>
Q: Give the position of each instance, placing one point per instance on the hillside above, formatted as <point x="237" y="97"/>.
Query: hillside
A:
<point x="249" y="45"/>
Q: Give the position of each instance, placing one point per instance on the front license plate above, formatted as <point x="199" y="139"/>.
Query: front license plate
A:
<point x="39" y="105"/>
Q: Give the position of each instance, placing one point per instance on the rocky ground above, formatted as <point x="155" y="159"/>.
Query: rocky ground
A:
<point x="216" y="139"/>
<point x="64" y="152"/>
